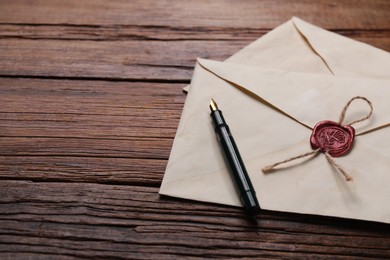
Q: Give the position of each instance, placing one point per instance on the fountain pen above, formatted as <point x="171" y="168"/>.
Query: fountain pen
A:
<point x="234" y="162"/>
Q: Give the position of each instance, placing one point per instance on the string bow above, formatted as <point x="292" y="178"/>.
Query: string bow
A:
<point x="334" y="139"/>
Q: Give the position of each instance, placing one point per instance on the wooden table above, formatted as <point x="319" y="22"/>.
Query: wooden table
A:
<point x="90" y="100"/>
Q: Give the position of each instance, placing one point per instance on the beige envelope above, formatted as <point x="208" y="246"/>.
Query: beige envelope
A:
<point x="272" y="93"/>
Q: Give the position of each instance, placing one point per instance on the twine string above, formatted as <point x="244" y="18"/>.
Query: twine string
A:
<point x="344" y="111"/>
<point x="269" y="168"/>
<point x="330" y="159"/>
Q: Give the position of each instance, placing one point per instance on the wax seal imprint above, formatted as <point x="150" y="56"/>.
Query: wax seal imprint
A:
<point x="332" y="138"/>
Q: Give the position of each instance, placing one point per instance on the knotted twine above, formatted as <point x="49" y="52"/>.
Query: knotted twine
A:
<point x="329" y="157"/>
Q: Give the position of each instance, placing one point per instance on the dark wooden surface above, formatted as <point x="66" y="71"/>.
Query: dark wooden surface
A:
<point x="90" y="99"/>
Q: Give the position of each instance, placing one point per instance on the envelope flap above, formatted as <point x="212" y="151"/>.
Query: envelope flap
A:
<point x="308" y="98"/>
<point x="354" y="58"/>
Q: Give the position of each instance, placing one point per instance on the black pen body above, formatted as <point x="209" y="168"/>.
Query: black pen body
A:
<point x="235" y="164"/>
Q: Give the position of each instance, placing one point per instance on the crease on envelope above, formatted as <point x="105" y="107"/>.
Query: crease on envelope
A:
<point x="288" y="47"/>
<point x="293" y="96"/>
<point x="353" y="59"/>
<point x="312" y="48"/>
<point x="282" y="48"/>
<point x="248" y="92"/>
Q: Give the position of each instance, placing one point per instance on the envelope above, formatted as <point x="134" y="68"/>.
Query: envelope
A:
<point x="272" y="93"/>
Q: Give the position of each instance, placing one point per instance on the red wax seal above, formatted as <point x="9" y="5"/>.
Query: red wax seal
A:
<point x="333" y="138"/>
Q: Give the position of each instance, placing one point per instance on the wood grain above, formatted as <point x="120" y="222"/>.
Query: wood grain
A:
<point x="135" y="60"/>
<point x="87" y="131"/>
<point x="89" y="109"/>
<point x="333" y="14"/>
<point x="135" y="221"/>
<point x="83" y="168"/>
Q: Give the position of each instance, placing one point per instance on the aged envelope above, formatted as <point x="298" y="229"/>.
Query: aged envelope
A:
<point x="271" y="112"/>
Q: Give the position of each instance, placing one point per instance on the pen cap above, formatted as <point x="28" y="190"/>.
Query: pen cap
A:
<point x="249" y="200"/>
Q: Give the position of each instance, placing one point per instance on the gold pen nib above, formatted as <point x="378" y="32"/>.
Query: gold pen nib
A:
<point x="213" y="105"/>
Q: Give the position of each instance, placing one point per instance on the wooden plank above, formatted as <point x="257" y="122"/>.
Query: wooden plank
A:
<point x="146" y="148"/>
<point x="109" y="170"/>
<point x="126" y="221"/>
<point x="128" y="32"/>
<point x="89" y="109"/>
<point x="347" y="14"/>
<point x="90" y="131"/>
<point x="136" y="60"/>
<point x="87" y="131"/>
